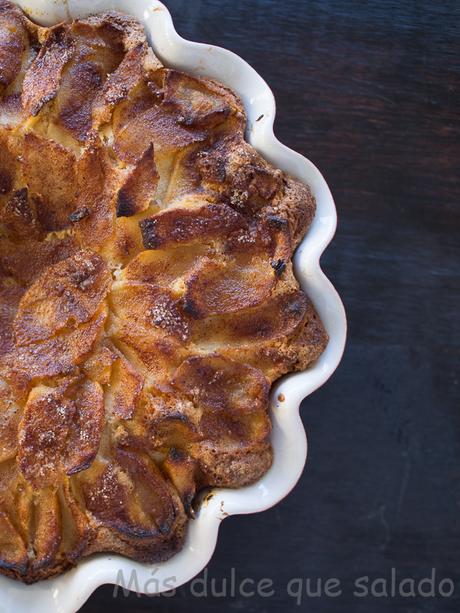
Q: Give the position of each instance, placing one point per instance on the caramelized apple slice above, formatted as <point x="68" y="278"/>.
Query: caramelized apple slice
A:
<point x="136" y="193"/>
<point x="163" y="267"/>
<point x="13" y="550"/>
<point x="153" y="354"/>
<point x="154" y="125"/>
<point x="43" y="434"/>
<point x="120" y="84"/>
<point x="180" y="180"/>
<point x="106" y="492"/>
<point x="151" y="493"/>
<point x="181" y="470"/>
<point x="18" y="48"/>
<point x="234" y="448"/>
<point x="59" y="355"/>
<point x="72" y="66"/>
<point x="10" y="415"/>
<point x="129" y="496"/>
<point x="221" y="384"/>
<point x="98" y="366"/>
<point x="77" y="532"/>
<point x="94" y="214"/>
<point x="26" y="260"/>
<point x="184" y="225"/>
<point x="125" y="388"/>
<point x="297" y="207"/>
<point x="111" y="29"/>
<point x="14" y="41"/>
<point x="58" y="435"/>
<point x="197" y="102"/>
<point x="153" y="309"/>
<point x="168" y="420"/>
<point x="97" y="49"/>
<point x="43" y="78"/>
<point x="49" y="171"/>
<point x="48" y="529"/>
<point x="86" y="429"/>
<point x="228" y="285"/>
<point x="126" y="243"/>
<point x="136" y="101"/>
<point x="65" y="296"/>
<point x="296" y="352"/>
<point x="279" y="317"/>
<point x="93" y="58"/>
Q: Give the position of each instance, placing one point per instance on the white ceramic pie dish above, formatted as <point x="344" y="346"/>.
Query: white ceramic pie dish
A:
<point x="67" y="593"/>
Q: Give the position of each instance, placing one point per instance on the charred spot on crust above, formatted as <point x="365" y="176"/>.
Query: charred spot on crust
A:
<point x="190" y="308"/>
<point x="125" y="205"/>
<point x="79" y="214"/>
<point x="279" y="223"/>
<point x="279" y="266"/>
<point x="149" y="237"/>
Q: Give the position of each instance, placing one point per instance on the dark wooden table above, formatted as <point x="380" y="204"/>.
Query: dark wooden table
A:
<point x="369" y="92"/>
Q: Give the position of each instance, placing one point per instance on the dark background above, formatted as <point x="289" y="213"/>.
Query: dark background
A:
<point x="369" y="92"/>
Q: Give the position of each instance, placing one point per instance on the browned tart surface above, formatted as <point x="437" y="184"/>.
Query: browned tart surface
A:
<point x="147" y="300"/>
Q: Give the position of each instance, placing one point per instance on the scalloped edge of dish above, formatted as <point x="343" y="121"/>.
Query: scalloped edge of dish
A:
<point x="68" y="592"/>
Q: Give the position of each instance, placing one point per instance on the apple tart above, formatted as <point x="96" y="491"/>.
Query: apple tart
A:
<point x="147" y="296"/>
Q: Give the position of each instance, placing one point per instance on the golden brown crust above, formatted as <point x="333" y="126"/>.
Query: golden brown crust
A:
<point x="147" y="298"/>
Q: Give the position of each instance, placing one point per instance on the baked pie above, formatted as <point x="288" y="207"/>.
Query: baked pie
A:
<point x="147" y="297"/>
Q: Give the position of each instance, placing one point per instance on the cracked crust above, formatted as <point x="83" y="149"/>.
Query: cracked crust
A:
<point x="147" y="298"/>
